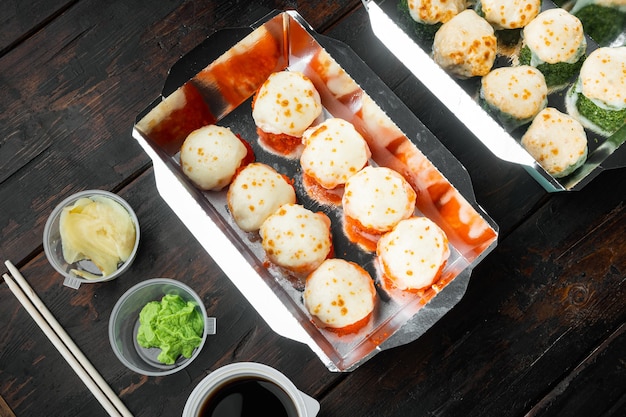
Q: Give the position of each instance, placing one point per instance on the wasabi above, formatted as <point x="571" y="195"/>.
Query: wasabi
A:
<point x="172" y="325"/>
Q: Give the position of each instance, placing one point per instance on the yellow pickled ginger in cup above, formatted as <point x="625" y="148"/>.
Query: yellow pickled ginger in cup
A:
<point x="98" y="229"/>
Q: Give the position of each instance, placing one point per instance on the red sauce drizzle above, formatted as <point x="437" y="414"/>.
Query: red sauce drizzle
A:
<point x="320" y="194"/>
<point x="249" y="158"/>
<point x="366" y="239"/>
<point x="351" y="328"/>
<point x="170" y="133"/>
<point x="238" y="76"/>
<point x="281" y="144"/>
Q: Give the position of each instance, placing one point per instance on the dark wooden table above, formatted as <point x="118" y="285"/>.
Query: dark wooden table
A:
<point x="540" y="331"/>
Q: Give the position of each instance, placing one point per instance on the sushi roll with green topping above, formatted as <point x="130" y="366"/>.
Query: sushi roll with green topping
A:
<point x="554" y="42"/>
<point x="508" y="17"/>
<point x="514" y="95"/>
<point x="425" y="17"/>
<point x="557" y="141"/>
<point x="598" y="98"/>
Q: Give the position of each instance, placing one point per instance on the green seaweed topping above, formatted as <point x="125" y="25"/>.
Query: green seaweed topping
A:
<point x="608" y="120"/>
<point x="603" y="24"/>
<point x="423" y="32"/>
<point x="555" y="74"/>
<point x="508" y="121"/>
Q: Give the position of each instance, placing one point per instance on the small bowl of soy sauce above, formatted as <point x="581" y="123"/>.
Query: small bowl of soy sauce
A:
<point x="243" y="388"/>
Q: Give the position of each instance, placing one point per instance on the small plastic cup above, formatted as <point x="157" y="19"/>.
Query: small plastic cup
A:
<point x="53" y="248"/>
<point x="124" y="324"/>
<point x="215" y="388"/>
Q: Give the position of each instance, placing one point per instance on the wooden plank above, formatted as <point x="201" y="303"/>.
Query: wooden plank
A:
<point x="19" y="19"/>
<point x="5" y="410"/>
<point x="595" y="387"/>
<point x="540" y="304"/>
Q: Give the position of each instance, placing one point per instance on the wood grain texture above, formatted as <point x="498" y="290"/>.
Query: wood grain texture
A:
<point x="20" y="19"/>
<point x="539" y="332"/>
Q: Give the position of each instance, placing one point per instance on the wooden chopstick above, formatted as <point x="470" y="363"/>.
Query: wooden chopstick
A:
<point x="64" y="343"/>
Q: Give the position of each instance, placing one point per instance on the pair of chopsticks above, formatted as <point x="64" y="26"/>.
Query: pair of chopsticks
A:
<point x="64" y="344"/>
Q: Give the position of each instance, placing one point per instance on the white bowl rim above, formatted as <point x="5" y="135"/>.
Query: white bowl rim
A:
<point x="144" y="284"/>
<point x="57" y="211"/>
<point x="305" y="405"/>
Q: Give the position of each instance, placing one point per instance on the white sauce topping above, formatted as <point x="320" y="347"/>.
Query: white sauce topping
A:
<point x="518" y="91"/>
<point x="556" y="36"/>
<point x="256" y="192"/>
<point x="466" y="45"/>
<point x="296" y="238"/>
<point x="412" y="254"/>
<point x="431" y="12"/>
<point x="510" y="14"/>
<point x="378" y="198"/>
<point x="333" y="152"/>
<point x="211" y="155"/>
<point x="339" y="293"/>
<point x="287" y="102"/>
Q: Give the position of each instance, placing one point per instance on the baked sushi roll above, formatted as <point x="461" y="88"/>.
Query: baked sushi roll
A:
<point x="603" y="20"/>
<point x="340" y="295"/>
<point x="412" y="256"/>
<point x="425" y="17"/>
<point x="508" y="14"/>
<point x="514" y="95"/>
<point x="598" y="98"/>
<point x="557" y="141"/>
<point x="211" y="155"/>
<point x="375" y="199"/>
<point x="296" y="238"/>
<point x="465" y="46"/>
<point x="333" y="151"/>
<point x="256" y="192"/>
<point x="554" y="42"/>
<point x="283" y="108"/>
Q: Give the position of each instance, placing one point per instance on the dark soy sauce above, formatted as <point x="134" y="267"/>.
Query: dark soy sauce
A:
<point x="248" y="397"/>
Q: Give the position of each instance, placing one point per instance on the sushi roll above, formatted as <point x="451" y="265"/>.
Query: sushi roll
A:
<point x="376" y="199"/>
<point x="557" y="141"/>
<point x="412" y="255"/>
<point x="333" y="152"/>
<point x="256" y="192"/>
<point x="508" y="14"/>
<point x="603" y="20"/>
<point x="514" y="95"/>
<point x="598" y="98"/>
<point x="425" y="17"/>
<point x="211" y="155"/>
<point x="296" y="238"/>
<point x="554" y="42"/>
<point x="465" y="46"/>
<point x="283" y="108"/>
<point x="340" y="295"/>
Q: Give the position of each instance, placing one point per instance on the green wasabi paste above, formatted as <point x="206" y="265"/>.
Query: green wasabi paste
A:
<point x="173" y="325"/>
